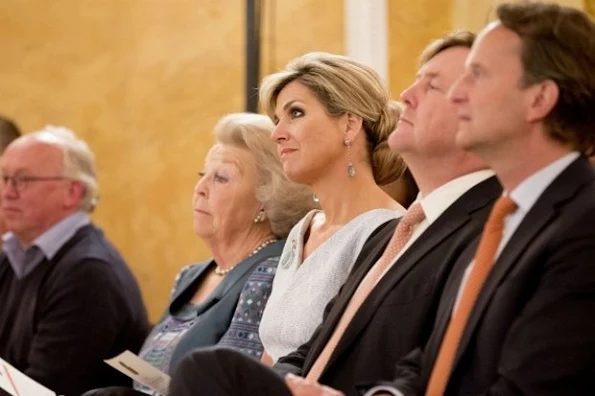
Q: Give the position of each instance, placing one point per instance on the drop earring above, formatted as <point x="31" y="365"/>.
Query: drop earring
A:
<point x="260" y="217"/>
<point x="350" y="167"/>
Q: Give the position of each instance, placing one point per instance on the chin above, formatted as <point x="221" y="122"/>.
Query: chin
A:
<point x="463" y="139"/>
<point x="295" y="175"/>
<point x="397" y="141"/>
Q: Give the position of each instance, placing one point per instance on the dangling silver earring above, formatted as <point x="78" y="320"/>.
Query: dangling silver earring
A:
<point x="315" y="198"/>
<point x="260" y="217"/>
<point x="350" y="167"/>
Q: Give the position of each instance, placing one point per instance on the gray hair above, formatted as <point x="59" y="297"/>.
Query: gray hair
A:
<point x="284" y="201"/>
<point x="78" y="160"/>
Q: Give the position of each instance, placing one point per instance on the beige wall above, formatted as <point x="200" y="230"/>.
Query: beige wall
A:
<point x="412" y="25"/>
<point x="474" y="14"/>
<point x="143" y="81"/>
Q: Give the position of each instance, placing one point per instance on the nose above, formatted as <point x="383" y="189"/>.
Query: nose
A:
<point x="409" y="97"/>
<point x="279" y="133"/>
<point x="457" y="92"/>
<point x="201" y="188"/>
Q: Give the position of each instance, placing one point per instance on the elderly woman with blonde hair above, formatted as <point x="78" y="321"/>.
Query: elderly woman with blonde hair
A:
<point x="243" y="207"/>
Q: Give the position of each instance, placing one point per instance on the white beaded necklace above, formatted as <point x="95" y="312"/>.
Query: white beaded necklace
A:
<point x="224" y="271"/>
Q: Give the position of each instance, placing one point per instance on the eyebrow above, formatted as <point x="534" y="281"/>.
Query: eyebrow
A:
<point x="233" y="162"/>
<point x="427" y="75"/>
<point x="286" y="105"/>
<point x="475" y="65"/>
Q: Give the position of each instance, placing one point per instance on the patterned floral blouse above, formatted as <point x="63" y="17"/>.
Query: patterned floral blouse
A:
<point x="242" y="334"/>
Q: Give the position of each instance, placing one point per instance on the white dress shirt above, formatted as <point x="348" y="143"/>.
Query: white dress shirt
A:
<point x="439" y="200"/>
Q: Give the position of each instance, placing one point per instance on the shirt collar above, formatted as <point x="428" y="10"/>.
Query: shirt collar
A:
<point x="436" y="202"/>
<point x="53" y="239"/>
<point x="526" y="194"/>
<point x="48" y="243"/>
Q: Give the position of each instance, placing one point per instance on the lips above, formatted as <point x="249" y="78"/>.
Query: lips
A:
<point x="286" y="151"/>
<point x="202" y="212"/>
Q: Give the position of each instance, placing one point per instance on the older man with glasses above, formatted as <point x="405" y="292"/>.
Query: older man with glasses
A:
<point x="68" y="299"/>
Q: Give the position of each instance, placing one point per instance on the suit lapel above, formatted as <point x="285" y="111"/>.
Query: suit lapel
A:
<point x="370" y="253"/>
<point x="562" y="189"/>
<point x="452" y="220"/>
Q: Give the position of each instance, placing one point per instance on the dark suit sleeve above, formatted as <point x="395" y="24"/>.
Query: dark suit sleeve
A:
<point x="549" y="349"/>
<point x="77" y="326"/>
<point x="294" y="362"/>
<point x="407" y="379"/>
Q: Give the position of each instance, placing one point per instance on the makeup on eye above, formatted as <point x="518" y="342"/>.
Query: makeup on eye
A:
<point x="295" y="112"/>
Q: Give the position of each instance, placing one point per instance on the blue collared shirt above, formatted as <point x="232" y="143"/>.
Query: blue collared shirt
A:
<point x="23" y="262"/>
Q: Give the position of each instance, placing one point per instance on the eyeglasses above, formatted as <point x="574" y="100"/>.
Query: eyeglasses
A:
<point x="20" y="183"/>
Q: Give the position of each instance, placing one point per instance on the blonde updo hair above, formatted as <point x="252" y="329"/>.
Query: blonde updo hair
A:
<point x="344" y="85"/>
<point x="284" y="201"/>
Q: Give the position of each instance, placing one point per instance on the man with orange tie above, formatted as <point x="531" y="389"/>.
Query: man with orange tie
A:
<point x="387" y="306"/>
<point x="516" y="316"/>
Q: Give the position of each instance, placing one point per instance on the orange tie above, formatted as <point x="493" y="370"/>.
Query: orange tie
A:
<point x="412" y="217"/>
<point x="484" y="259"/>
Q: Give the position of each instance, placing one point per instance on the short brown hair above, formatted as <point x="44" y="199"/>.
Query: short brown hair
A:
<point x="456" y="39"/>
<point x="344" y="85"/>
<point x="8" y="132"/>
<point x="558" y="44"/>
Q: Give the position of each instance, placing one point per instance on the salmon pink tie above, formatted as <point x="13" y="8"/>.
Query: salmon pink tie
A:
<point x="412" y="217"/>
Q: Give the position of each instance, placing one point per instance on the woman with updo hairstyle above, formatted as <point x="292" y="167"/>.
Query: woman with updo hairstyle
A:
<point x="332" y="118"/>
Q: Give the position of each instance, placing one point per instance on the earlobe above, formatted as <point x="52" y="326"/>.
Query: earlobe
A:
<point x="354" y="126"/>
<point x="74" y="194"/>
<point x="543" y="101"/>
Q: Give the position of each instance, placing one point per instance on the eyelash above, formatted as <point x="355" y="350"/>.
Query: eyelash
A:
<point x="218" y="178"/>
<point x="294" y="110"/>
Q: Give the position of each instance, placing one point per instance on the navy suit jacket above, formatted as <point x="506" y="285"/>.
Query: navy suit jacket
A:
<point x="532" y="330"/>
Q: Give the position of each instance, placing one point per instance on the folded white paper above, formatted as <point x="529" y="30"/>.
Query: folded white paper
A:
<point x="140" y="371"/>
<point x="16" y="383"/>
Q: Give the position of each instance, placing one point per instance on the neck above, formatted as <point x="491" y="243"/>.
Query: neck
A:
<point x="432" y="173"/>
<point x="27" y="237"/>
<point x="512" y="169"/>
<point x="342" y="197"/>
<point x="231" y="251"/>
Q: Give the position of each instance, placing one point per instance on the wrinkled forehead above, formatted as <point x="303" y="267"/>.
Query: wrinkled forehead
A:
<point x="225" y="154"/>
<point x="28" y="155"/>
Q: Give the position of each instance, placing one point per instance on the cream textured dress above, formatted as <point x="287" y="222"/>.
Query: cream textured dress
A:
<point x="301" y="290"/>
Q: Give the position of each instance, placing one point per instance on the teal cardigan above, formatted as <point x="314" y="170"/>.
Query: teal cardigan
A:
<point x="225" y="317"/>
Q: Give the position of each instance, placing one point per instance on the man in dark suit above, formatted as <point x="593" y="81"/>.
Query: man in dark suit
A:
<point x="516" y="316"/>
<point x="456" y="195"/>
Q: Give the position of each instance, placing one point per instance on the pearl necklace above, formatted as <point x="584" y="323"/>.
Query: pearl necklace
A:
<point x="224" y="271"/>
